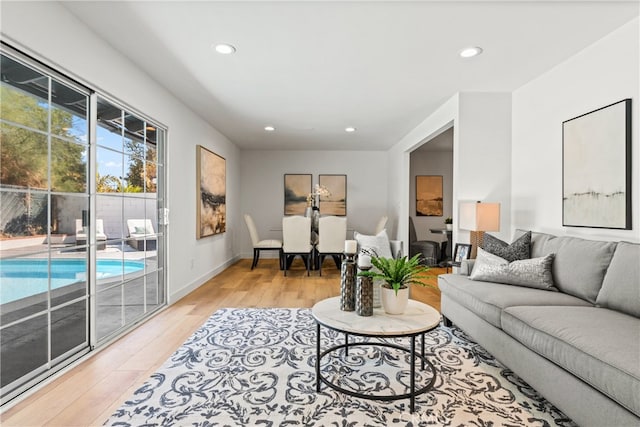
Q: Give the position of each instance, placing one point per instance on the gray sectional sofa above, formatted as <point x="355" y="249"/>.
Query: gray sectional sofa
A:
<point x="578" y="344"/>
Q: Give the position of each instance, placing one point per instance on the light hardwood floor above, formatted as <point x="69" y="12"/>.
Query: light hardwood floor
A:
<point x="88" y="394"/>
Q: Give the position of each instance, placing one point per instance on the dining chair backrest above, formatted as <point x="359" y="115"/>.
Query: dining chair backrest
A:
<point x="296" y="234"/>
<point x="332" y="232"/>
<point x="253" y="232"/>
<point x="382" y="223"/>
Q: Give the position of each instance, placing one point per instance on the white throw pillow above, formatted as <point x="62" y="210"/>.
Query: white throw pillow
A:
<point x="379" y="244"/>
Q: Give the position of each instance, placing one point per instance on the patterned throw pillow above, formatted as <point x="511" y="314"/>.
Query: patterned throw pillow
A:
<point x="519" y="249"/>
<point x="532" y="273"/>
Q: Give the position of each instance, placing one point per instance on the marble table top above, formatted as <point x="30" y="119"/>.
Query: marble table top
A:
<point x="417" y="318"/>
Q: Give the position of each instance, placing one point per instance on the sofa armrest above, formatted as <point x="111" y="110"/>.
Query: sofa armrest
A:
<point x="396" y="248"/>
<point x="466" y="265"/>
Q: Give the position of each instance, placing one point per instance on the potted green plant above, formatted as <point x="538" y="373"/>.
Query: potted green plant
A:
<point x="448" y="223"/>
<point x="397" y="274"/>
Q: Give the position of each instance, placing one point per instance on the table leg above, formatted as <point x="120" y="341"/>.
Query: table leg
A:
<point x="412" y="406"/>
<point x="346" y="344"/>
<point x="422" y="351"/>
<point x="318" y="357"/>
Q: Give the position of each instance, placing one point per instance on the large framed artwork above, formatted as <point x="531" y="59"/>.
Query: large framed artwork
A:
<point x="429" y="195"/>
<point x="211" y="207"/>
<point x="297" y="188"/>
<point x="336" y="202"/>
<point x="596" y="168"/>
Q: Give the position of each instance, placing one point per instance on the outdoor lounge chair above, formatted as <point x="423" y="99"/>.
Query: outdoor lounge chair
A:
<point x="141" y="234"/>
<point x="81" y="234"/>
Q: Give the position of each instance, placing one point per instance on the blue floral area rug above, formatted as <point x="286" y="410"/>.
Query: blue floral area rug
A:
<point x="256" y="367"/>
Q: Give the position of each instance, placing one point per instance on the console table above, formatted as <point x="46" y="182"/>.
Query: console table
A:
<point x="417" y="319"/>
<point x="449" y="234"/>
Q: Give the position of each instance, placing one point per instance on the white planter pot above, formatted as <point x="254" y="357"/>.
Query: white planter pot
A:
<point x="392" y="303"/>
<point x="449" y="226"/>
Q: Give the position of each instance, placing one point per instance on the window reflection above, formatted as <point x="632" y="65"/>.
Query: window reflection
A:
<point x="68" y="113"/>
<point x="23" y="161"/>
<point x="68" y="167"/>
<point x="109" y="166"/>
<point x="24" y="94"/>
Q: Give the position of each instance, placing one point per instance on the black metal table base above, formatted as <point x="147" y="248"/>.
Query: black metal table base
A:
<point x="411" y="395"/>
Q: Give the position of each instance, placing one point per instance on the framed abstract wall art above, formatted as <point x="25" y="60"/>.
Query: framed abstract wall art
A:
<point x="297" y="188"/>
<point x="596" y="168"/>
<point x="429" y="195"/>
<point x="336" y="202"/>
<point x="211" y="207"/>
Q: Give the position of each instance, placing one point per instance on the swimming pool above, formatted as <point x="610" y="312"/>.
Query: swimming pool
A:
<point x="20" y="278"/>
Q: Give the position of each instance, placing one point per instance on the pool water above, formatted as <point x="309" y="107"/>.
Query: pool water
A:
<point x="20" y="278"/>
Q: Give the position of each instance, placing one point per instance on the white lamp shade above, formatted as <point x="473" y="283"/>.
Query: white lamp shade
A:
<point x="476" y="216"/>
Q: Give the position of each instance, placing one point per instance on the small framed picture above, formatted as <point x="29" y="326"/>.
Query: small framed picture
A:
<point x="462" y="252"/>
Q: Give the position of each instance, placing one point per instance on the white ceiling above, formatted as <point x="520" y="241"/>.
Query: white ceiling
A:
<point x="312" y="68"/>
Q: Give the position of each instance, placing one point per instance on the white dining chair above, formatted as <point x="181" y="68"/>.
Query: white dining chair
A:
<point x="382" y="223"/>
<point x="332" y="233"/>
<point x="296" y="240"/>
<point x="261" y="245"/>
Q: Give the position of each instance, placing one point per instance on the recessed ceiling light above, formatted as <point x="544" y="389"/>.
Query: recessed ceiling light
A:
<point x="470" y="52"/>
<point x="350" y="129"/>
<point x="269" y="128"/>
<point x="225" y="48"/>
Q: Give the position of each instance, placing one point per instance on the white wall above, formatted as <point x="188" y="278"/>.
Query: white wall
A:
<point x="47" y="31"/>
<point x="399" y="162"/>
<point x="605" y="72"/>
<point x="481" y="156"/>
<point x="262" y="179"/>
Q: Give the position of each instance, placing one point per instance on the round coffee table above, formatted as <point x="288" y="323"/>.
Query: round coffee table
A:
<point x="417" y="319"/>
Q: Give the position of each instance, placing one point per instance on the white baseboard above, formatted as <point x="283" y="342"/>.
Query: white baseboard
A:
<point x="195" y="284"/>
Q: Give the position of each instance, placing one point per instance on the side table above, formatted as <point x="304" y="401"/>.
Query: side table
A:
<point x="449" y="234"/>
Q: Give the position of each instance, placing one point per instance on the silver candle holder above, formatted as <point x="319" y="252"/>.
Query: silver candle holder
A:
<point x="348" y="283"/>
<point x="364" y="294"/>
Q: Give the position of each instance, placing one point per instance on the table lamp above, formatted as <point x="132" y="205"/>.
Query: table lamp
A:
<point x="479" y="217"/>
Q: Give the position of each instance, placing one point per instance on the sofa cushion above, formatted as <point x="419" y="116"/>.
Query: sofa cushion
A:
<point x="621" y="286"/>
<point x="532" y="273"/>
<point x="519" y="249"/>
<point x="597" y="345"/>
<point x="487" y="299"/>
<point x="579" y="265"/>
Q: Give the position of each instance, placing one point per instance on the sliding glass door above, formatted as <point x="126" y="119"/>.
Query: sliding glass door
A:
<point x="128" y="202"/>
<point x="81" y="244"/>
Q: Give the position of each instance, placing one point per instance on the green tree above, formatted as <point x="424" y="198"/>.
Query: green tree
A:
<point x="24" y="152"/>
<point x="141" y="173"/>
<point x="108" y="184"/>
